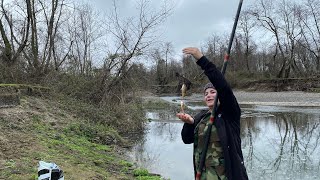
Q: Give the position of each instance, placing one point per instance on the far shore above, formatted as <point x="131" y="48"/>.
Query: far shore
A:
<point x="283" y="98"/>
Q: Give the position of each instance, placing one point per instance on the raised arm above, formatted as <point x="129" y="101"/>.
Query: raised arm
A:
<point x="228" y="103"/>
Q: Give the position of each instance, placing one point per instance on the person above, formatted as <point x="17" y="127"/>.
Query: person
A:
<point x="224" y="159"/>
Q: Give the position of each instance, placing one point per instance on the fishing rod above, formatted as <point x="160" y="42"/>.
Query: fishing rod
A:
<point x="213" y="113"/>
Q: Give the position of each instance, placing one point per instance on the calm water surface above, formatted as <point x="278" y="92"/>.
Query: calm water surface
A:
<point x="277" y="143"/>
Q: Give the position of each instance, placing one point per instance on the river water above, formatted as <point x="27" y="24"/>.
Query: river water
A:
<point x="278" y="142"/>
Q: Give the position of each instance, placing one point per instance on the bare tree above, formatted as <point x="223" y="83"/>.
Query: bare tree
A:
<point x="280" y="18"/>
<point x="14" y="35"/>
<point x="132" y="37"/>
<point x="162" y="55"/>
<point x="84" y="31"/>
<point x="266" y="16"/>
<point x="309" y="21"/>
<point x="247" y="28"/>
<point x="215" y="48"/>
<point x="43" y="33"/>
<point x="288" y="10"/>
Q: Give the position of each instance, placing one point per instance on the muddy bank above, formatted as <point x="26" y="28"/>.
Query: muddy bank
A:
<point x="285" y="98"/>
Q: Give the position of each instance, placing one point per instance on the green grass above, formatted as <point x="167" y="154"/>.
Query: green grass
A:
<point x="156" y="104"/>
<point x="143" y="174"/>
<point x="76" y="148"/>
<point x="73" y="142"/>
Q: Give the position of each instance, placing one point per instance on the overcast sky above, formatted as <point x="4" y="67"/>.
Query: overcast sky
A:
<point x="191" y="22"/>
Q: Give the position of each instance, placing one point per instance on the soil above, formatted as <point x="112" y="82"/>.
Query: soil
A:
<point x="16" y="141"/>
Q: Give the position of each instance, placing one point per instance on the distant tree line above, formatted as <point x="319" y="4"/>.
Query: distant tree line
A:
<point x="57" y="43"/>
<point x="275" y="38"/>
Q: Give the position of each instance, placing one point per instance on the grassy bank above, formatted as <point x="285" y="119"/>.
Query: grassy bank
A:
<point x="85" y="141"/>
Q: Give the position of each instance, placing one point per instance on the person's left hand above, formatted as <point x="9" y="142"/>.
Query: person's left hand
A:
<point x="185" y="118"/>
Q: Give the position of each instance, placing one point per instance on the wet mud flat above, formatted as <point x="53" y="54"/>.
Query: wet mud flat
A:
<point x="285" y="98"/>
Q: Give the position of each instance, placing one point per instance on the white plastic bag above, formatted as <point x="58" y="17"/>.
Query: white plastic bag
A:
<point x="49" y="171"/>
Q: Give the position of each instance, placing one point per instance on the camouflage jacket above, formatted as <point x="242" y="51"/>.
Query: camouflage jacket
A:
<point x="214" y="168"/>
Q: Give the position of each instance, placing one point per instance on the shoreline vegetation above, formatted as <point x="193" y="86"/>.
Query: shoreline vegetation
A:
<point x="79" y="137"/>
<point x="85" y="141"/>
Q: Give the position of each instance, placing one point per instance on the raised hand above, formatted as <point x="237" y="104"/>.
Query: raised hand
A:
<point x="195" y="52"/>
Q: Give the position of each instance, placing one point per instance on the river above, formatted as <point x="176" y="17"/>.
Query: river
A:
<point x="278" y="142"/>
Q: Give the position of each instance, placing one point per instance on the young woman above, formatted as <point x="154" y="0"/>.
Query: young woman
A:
<point x="224" y="158"/>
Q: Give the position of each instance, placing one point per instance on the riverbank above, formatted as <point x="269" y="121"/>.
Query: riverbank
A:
<point x="284" y="98"/>
<point x="68" y="133"/>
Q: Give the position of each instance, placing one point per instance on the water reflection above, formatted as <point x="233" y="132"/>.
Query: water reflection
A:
<point x="278" y="143"/>
<point x="162" y="151"/>
<point x="282" y="147"/>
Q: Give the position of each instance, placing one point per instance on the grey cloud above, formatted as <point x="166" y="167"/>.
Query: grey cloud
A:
<point x="192" y="21"/>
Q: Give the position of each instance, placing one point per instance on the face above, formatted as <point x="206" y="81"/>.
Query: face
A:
<point x="209" y="96"/>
